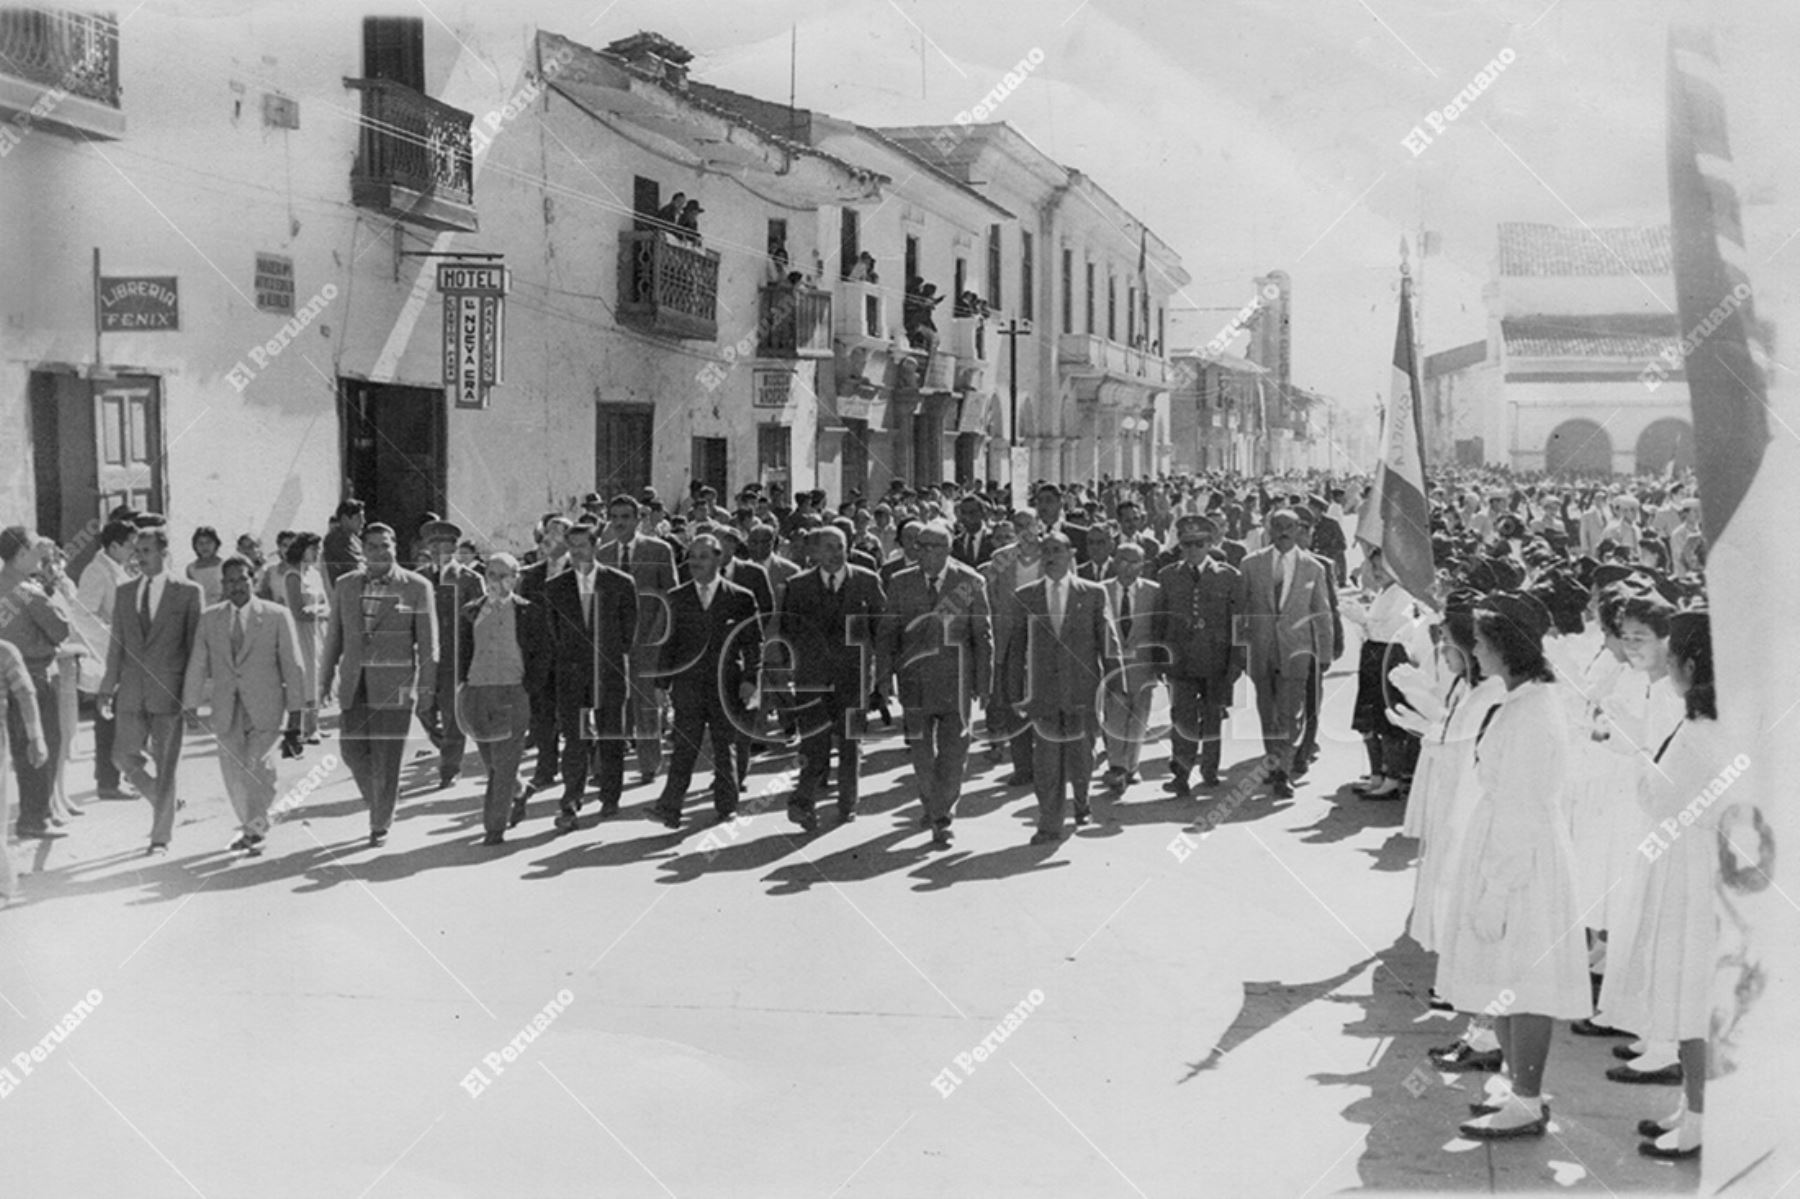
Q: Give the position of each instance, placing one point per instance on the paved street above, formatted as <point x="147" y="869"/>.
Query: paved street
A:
<point x="763" y="1015"/>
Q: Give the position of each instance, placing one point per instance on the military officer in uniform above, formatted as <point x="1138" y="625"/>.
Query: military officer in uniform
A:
<point x="1199" y="601"/>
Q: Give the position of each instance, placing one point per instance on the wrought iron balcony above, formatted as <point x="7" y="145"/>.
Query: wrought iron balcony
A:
<point x="60" y="69"/>
<point x="795" y="322"/>
<point x="668" y="287"/>
<point x="415" y="161"/>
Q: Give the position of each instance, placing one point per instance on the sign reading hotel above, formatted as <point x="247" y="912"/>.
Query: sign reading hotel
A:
<point x="474" y="329"/>
<point x="139" y="304"/>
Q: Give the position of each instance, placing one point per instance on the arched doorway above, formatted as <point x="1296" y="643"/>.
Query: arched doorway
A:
<point x="1662" y="442"/>
<point x="1578" y="447"/>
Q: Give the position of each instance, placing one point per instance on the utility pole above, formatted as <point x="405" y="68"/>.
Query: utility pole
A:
<point x="1012" y="333"/>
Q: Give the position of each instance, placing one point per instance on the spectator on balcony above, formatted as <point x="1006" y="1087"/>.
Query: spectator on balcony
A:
<point x="669" y="215"/>
<point x="689" y="222"/>
<point x="863" y="269"/>
<point x="921" y="327"/>
<point x="779" y="265"/>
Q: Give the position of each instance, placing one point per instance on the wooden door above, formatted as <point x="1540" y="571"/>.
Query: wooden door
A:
<point x="622" y="448"/>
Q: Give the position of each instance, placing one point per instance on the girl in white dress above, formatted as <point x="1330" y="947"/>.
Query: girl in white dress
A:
<point x="1506" y="947"/>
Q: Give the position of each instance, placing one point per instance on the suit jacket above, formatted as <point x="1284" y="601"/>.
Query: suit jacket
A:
<point x="341" y="553"/>
<point x="1328" y="538"/>
<point x="972" y="549"/>
<point x="1300" y="633"/>
<point x="1196" y="619"/>
<point x="754" y="579"/>
<point x="1337" y="619"/>
<point x="1057" y="673"/>
<point x="265" y="676"/>
<point x="397" y="655"/>
<point x="711" y="651"/>
<point x="1002" y="572"/>
<point x="531" y="629"/>
<point x="832" y="637"/>
<point x="942" y="652"/>
<point x="892" y="567"/>
<point x="1140" y="650"/>
<point x="146" y="673"/>
<point x="454" y="587"/>
<point x="587" y="657"/>
<point x="653" y="573"/>
<point x="781" y="571"/>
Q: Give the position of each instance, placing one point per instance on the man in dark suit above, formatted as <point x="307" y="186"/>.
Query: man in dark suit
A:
<point x="650" y="563"/>
<point x="381" y="644"/>
<point x="936" y="637"/>
<point x="1198" y="606"/>
<point x="454" y="587"/>
<point x="906" y="555"/>
<point x="1047" y="500"/>
<point x="1287" y="617"/>
<point x="1100" y="545"/>
<point x="828" y="619"/>
<point x="1307" y="751"/>
<point x="343" y="548"/>
<point x="540" y="675"/>
<point x="593" y="629"/>
<point x="1071" y="648"/>
<point x="156" y="621"/>
<point x="972" y="545"/>
<point x="708" y="664"/>
<point x="1328" y="538"/>
<point x="1130" y="515"/>
<point x="734" y="568"/>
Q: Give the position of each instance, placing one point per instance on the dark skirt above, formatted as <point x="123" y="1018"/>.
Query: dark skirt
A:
<point x="1374" y="693"/>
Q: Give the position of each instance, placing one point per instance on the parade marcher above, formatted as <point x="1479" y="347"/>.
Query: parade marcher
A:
<point x="972" y="545"/>
<point x="650" y="564"/>
<point x="709" y="664"/>
<point x="1014" y="566"/>
<point x="246" y="668"/>
<point x="1306" y="752"/>
<point x="829" y="618"/>
<point x="157" y="619"/>
<point x="1135" y="603"/>
<point x="593" y="631"/>
<point x="18" y="709"/>
<point x="550" y="559"/>
<point x="1287" y="615"/>
<point x="1060" y="657"/>
<point x="1199" y="601"/>
<point x="937" y="639"/>
<point x="496" y="648"/>
<point x="93" y="617"/>
<point x="381" y="652"/>
<point x="1392" y="750"/>
<point x="1328" y="539"/>
<point x="453" y="587"/>
<point x="1506" y="943"/>
<point x="343" y="551"/>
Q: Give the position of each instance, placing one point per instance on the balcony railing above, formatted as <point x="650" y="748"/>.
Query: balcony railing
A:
<point x="74" y="52"/>
<point x="795" y="322"/>
<point x="1091" y="354"/>
<point x="415" y="160"/>
<point x="862" y="316"/>
<point x="668" y="287"/>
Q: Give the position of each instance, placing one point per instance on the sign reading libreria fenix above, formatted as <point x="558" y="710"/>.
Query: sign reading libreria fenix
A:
<point x="139" y="303"/>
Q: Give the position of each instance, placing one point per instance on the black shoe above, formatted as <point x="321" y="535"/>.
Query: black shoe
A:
<point x="1652" y="1129"/>
<point x="807" y="820"/>
<point x="115" y="792"/>
<point x="157" y="850"/>
<point x="377" y="839"/>
<point x="1667" y="1076"/>
<point x="494" y="839"/>
<point x="608" y="807"/>
<point x="517" y="816"/>
<point x="1626" y="1053"/>
<point x="1535" y="1128"/>
<point x="940" y="836"/>
<point x="1178" y="787"/>
<point x="1082" y="815"/>
<point x="243" y="842"/>
<point x="1652" y="1149"/>
<point x="1463" y="1059"/>
<point x="1045" y="837"/>
<point x="1016" y="779"/>
<point x="1281" y="788"/>
<point x="1209" y="781"/>
<point x="566" y="821"/>
<point x="666" y="819"/>
<point x="1587" y="1028"/>
<point x="846" y="815"/>
<point x="41" y="833"/>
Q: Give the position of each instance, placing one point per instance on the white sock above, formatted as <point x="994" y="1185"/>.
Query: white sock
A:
<point x="1483" y="1041"/>
<point x="1687" y="1136"/>
<point x="1656" y="1055"/>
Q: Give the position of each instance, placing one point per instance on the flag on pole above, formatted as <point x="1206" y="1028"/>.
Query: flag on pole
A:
<point x="1395" y="517"/>
<point x="1746" y="487"/>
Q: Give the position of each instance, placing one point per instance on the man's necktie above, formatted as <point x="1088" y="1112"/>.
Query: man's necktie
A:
<point x="237" y="633"/>
<point x="625" y="556"/>
<point x="931" y="590"/>
<point x="1280" y="583"/>
<point x="1056" y="608"/>
<point x="831" y="584"/>
<point x="144" y="607"/>
<point x="587" y="599"/>
<point x="1125" y="612"/>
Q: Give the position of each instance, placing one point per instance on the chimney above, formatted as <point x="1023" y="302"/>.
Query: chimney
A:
<point x="655" y="55"/>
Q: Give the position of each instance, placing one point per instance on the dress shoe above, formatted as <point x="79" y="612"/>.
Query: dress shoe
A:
<point x="1016" y="779"/>
<point x="941" y="835"/>
<point x="517" y="815"/>
<point x="1368" y="783"/>
<point x="447" y="781"/>
<point x="1626" y="1053"/>
<point x="1209" y="782"/>
<point x="1045" y="837"/>
<point x="1082" y="816"/>
<point x="608" y="807"/>
<point x="41" y="834"/>
<point x="243" y="842"/>
<point x="1281" y="788"/>
<point x="254" y="849"/>
<point x="669" y="819"/>
<point x="1534" y="1128"/>
<point x="1587" y="1028"/>
<point x="377" y="839"/>
<point x="1389" y="789"/>
<point x="1301" y="766"/>
<point x="157" y="850"/>
<point x="1178" y="787"/>
<point x="116" y="793"/>
<point x="1668" y="1076"/>
<point x="566" y="821"/>
<point x="1652" y="1149"/>
<point x="1652" y="1129"/>
<point x="846" y="815"/>
<point x="646" y="777"/>
<point x="1462" y="1059"/>
<point x="494" y="839"/>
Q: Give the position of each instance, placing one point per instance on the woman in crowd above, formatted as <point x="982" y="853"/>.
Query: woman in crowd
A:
<point x="56" y="583"/>
<point x="1505" y="949"/>
<point x="205" y="567"/>
<point x="1665" y="973"/>
<point x="37" y="630"/>
<point x="302" y="587"/>
<point x="18" y="708"/>
<point x="1384" y="620"/>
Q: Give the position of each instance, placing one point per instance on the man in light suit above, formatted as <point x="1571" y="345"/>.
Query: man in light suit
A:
<point x="936" y="636"/>
<point x="1287" y="614"/>
<point x="155" y="620"/>
<point x="381" y="647"/>
<point x="1133" y="602"/>
<point x="709" y="663"/>
<point x="828" y="619"/>
<point x="1012" y="567"/>
<point x="1070" y="650"/>
<point x="651" y="564"/>
<point x="246" y="666"/>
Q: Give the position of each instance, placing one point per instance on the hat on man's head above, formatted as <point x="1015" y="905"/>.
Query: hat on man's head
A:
<point x="593" y="499"/>
<point x="647" y="495"/>
<point x="439" y="530"/>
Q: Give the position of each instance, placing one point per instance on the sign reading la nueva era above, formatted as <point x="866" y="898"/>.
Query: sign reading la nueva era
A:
<point x="139" y="303"/>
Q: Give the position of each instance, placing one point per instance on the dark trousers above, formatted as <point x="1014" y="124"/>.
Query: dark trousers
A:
<point x="826" y="721"/>
<point x="1005" y="721"/>
<point x="444" y="730"/>
<point x="1280" y="701"/>
<point x="36" y="782"/>
<point x="1063" y="763"/>
<point x="497" y="718"/>
<point x="1308" y="748"/>
<point x="543" y="735"/>
<point x="603" y="760"/>
<point x="939" y="745"/>
<point x="106" y="771"/>
<point x="374" y="741"/>
<point x="696" y="715"/>
<point x="151" y="738"/>
<point x="1392" y="753"/>
<point x="1197" y="711"/>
